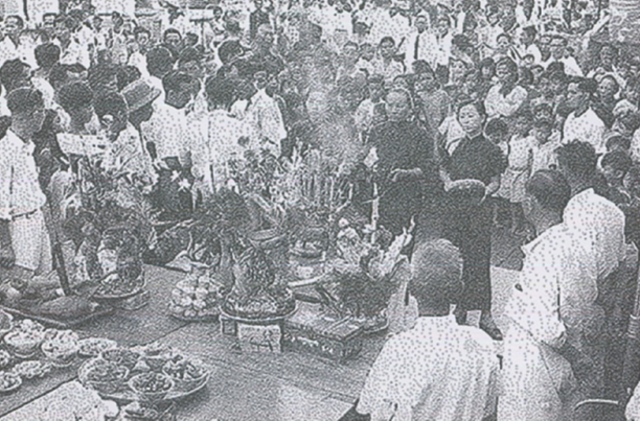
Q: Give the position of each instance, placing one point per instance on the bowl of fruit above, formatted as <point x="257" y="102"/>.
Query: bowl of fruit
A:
<point x="24" y="343"/>
<point x="121" y="356"/>
<point x="105" y="378"/>
<point x="61" y="349"/>
<point x="151" y="387"/>
<point x="187" y="375"/>
<point x="9" y="382"/>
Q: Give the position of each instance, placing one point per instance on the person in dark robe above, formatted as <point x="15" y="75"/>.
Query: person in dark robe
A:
<point x="468" y="223"/>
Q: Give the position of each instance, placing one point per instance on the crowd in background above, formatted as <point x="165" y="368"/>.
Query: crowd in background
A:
<point x="426" y="93"/>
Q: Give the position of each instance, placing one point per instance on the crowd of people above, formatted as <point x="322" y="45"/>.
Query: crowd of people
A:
<point x="408" y="101"/>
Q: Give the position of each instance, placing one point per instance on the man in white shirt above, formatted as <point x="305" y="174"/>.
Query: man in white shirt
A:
<point x="421" y="44"/>
<point x="528" y="47"/>
<point x="444" y="41"/>
<point x="552" y="315"/>
<point x="558" y="48"/>
<point x="438" y="370"/>
<point x="159" y="64"/>
<point x="9" y="44"/>
<point x="72" y="51"/>
<point x="583" y="123"/>
<point x="227" y="136"/>
<point x="24" y="239"/>
<point x="385" y="64"/>
<point x="265" y="118"/>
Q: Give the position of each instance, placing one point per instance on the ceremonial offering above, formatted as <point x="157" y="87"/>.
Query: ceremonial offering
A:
<point x="61" y="349"/>
<point x="93" y="347"/>
<point x="195" y="298"/>
<point x="5" y="359"/>
<point x="6" y="323"/>
<point x="150" y="373"/>
<point x="24" y="343"/>
<point x="32" y="369"/>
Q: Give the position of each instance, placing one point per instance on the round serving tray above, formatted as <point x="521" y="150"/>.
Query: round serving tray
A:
<point x="127" y="395"/>
<point x="136" y="291"/>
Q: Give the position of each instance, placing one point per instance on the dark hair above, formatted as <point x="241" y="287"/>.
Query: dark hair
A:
<point x="543" y="123"/>
<point x="192" y="35"/>
<point x="387" y="39"/>
<point x="110" y="103"/>
<point x="623" y="141"/>
<point x="47" y="55"/>
<point x="170" y="31"/>
<point x="58" y="74"/>
<point x="24" y="100"/>
<point x="617" y="160"/>
<point x="75" y="95"/>
<point x="478" y="105"/>
<point x="556" y="67"/>
<point x="188" y="55"/>
<point x="173" y="81"/>
<point x="421" y="66"/>
<point x="530" y="30"/>
<point x="579" y="159"/>
<point x="17" y="18"/>
<point x="511" y="65"/>
<point x="100" y="75"/>
<point x="496" y="126"/>
<point x="229" y="49"/>
<point x="219" y="91"/>
<point x="550" y="189"/>
<point x="503" y="35"/>
<point x="525" y="76"/>
<point x="159" y="61"/>
<point x="11" y="73"/>
<point x="127" y="75"/>
<point x="588" y="86"/>
<point x="69" y="22"/>
<point x="141" y="30"/>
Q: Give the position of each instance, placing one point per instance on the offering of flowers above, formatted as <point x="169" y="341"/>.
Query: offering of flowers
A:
<point x="155" y="355"/>
<point x="257" y="293"/>
<point x="9" y="382"/>
<point x="195" y="297"/>
<point x="92" y="347"/>
<point x="32" y="369"/>
<point x="151" y="386"/>
<point x="363" y="278"/>
<point x="61" y="349"/>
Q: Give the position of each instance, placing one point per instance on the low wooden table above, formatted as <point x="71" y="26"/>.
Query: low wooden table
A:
<point x="242" y="386"/>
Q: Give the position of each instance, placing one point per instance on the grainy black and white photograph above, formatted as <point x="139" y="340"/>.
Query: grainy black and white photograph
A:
<point x="319" y="210"/>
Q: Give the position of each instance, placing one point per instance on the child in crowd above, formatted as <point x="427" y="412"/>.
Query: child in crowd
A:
<point x="367" y="54"/>
<point x="497" y="132"/>
<point x="365" y="113"/>
<point x="544" y="146"/>
<point x="615" y="166"/>
<point x="520" y="159"/>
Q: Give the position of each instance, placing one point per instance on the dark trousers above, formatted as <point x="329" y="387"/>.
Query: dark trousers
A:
<point x="469" y="229"/>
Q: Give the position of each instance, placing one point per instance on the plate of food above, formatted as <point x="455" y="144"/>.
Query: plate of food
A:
<point x="113" y="287"/>
<point x="151" y="387"/>
<point x="106" y="377"/>
<point x="32" y="369"/>
<point x="93" y="347"/>
<point x="24" y="343"/>
<point x="186" y="374"/>
<point x="61" y="349"/>
<point x="9" y="382"/>
<point x="121" y="356"/>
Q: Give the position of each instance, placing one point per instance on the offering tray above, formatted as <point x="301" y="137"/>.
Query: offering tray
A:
<point x="127" y="395"/>
<point x="164" y="412"/>
<point x="257" y="321"/>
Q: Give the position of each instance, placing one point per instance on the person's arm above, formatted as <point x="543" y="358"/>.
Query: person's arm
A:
<point x="7" y="255"/>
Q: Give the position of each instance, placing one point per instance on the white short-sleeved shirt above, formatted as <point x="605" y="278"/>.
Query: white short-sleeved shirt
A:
<point x="438" y="370"/>
<point x="587" y="127"/>
<point x="20" y="191"/>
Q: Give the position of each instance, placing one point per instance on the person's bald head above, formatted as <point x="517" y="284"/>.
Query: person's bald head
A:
<point x="437" y="273"/>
